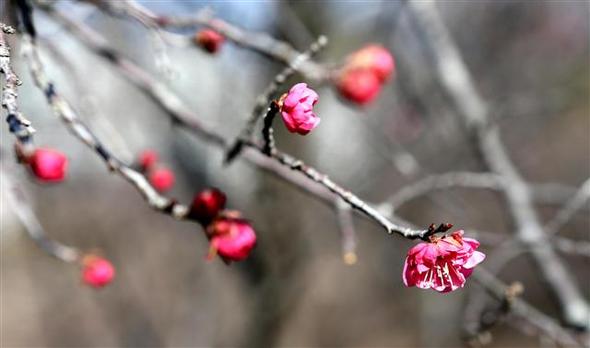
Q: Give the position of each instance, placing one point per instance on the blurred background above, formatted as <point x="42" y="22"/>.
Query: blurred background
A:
<point x="530" y="61"/>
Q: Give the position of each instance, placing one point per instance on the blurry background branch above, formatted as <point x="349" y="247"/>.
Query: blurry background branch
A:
<point x="19" y="204"/>
<point x="17" y="123"/>
<point x="457" y="82"/>
<point x="260" y="42"/>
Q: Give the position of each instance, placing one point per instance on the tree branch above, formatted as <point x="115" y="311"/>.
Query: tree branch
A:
<point x="569" y="210"/>
<point x="17" y="123"/>
<point x="184" y="117"/>
<point x="440" y="182"/>
<point x="18" y="203"/>
<point x="521" y="308"/>
<point x="66" y="113"/>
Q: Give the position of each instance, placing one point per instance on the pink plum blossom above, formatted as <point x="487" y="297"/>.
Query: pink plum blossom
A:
<point x="360" y="86"/>
<point x="162" y="178"/>
<point x="48" y="165"/>
<point x="147" y="159"/>
<point x="297" y="109"/>
<point x="210" y="40"/>
<point x="443" y="264"/>
<point x="97" y="272"/>
<point x="373" y="57"/>
<point x="231" y="237"/>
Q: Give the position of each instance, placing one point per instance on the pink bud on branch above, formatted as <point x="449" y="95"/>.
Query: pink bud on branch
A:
<point x="209" y="40"/>
<point x="207" y="205"/>
<point x="297" y="109"/>
<point x="375" y="58"/>
<point x="364" y="73"/>
<point x="147" y="159"/>
<point x="97" y="272"/>
<point x="48" y="165"/>
<point x="442" y="264"/>
<point x="231" y="237"/>
<point x="162" y="178"/>
<point x="360" y="86"/>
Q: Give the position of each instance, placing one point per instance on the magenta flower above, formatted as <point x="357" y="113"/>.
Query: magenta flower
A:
<point x="233" y="238"/>
<point x="375" y="58"/>
<point x="97" y="272"/>
<point x="443" y="264"/>
<point x="49" y="165"/>
<point x="297" y="109"/>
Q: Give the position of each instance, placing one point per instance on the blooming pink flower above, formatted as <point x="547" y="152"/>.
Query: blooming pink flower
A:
<point x="96" y="271"/>
<point x="209" y="39"/>
<point x="48" y="165"/>
<point x="297" y="109"/>
<point x="148" y="159"/>
<point x="360" y="86"/>
<point x="162" y="178"/>
<point x="375" y="58"/>
<point x="231" y="237"/>
<point x="207" y="204"/>
<point x="443" y="264"/>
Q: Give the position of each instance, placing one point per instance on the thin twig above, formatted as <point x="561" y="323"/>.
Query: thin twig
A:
<point x="65" y="112"/>
<point x="88" y="102"/>
<point x="563" y="244"/>
<point x="569" y="209"/>
<point x="17" y="202"/>
<point x="350" y="198"/>
<point x="259" y="42"/>
<point x="536" y="318"/>
<point x="347" y="232"/>
<point x="440" y="182"/>
<point x="17" y="123"/>
<point x="268" y="147"/>
<point x="553" y="194"/>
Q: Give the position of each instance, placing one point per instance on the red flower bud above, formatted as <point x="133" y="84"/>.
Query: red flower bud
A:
<point x="208" y="39"/>
<point x="360" y="86"/>
<point x="148" y="159"/>
<point x="232" y="238"/>
<point x="48" y="165"/>
<point x="375" y="58"/>
<point x="96" y="271"/>
<point x="162" y="178"/>
<point x="207" y="204"/>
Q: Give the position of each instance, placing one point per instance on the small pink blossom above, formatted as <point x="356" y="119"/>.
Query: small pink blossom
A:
<point x="231" y="237"/>
<point x="443" y="264"/>
<point x="209" y="40"/>
<point x="360" y="86"/>
<point x="97" y="272"/>
<point x="375" y="58"/>
<point x="297" y="109"/>
<point x="162" y="178"/>
<point x="48" y="165"/>
<point x="147" y="159"/>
